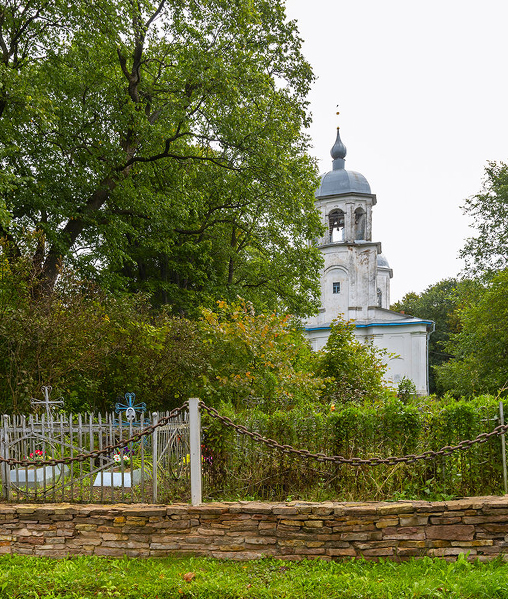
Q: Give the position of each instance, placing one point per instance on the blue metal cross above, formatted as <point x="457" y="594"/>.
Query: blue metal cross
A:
<point x="130" y="408"/>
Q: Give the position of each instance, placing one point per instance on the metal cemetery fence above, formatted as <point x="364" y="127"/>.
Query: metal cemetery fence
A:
<point x="101" y="459"/>
<point x="93" y="458"/>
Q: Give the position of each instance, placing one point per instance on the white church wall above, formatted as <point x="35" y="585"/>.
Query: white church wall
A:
<point x="356" y="271"/>
<point x="383" y="285"/>
<point x="335" y="301"/>
<point x="405" y="345"/>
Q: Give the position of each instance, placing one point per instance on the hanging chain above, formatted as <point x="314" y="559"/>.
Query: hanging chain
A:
<point x="81" y="457"/>
<point x="338" y="459"/>
<point x="288" y="449"/>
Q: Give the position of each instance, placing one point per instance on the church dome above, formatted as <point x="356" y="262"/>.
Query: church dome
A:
<point x="340" y="181"/>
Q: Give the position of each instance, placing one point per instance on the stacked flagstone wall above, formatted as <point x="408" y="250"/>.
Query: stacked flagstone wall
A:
<point x="477" y="527"/>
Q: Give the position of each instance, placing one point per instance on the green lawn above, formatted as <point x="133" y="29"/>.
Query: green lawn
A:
<point x="165" y="578"/>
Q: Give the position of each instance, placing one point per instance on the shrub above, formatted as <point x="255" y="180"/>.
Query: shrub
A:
<point x="89" y="345"/>
<point x="256" y="359"/>
<point x="354" y="370"/>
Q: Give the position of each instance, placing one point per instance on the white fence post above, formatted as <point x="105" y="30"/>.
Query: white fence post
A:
<point x="4" y="467"/>
<point x="155" y="457"/>
<point x="195" y="450"/>
<point x="503" y="447"/>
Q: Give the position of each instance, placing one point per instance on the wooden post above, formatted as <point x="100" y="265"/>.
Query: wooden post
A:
<point x="195" y="450"/>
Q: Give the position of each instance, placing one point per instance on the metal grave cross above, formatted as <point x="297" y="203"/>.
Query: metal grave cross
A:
<point x="129" y="407"/>
<point x="46" y="402"/>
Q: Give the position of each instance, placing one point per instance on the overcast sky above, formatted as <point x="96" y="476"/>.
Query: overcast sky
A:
<point x="422" y="94"/>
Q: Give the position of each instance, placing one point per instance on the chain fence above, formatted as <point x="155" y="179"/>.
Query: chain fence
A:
<point x="226" y="468"/>
<point x="391" y="452"/>
<point x="284" y="448"/>
<point x="338" y="459"/>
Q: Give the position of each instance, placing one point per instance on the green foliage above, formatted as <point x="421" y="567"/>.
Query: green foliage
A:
<point x="476" y="337"/>
<point x="387" y="428"/>
<point x="480" y="363"/>
<point x="487" y="253"/>
<point x="5" y="217"/>
<point x="91" y="577"/>
<point x="406" y="389"/>
<point x="257" y="359"/>
<point x="392" y="426"/>
<point x="165" y="153"/>
<point x="355" y="370"/>
<point x="90" y="346"/>
<point x="468" y="349"/>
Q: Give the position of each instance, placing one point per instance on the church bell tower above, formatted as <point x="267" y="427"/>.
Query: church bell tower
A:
<point x="354" y="280"/>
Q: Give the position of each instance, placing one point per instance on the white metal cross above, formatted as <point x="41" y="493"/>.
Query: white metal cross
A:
<point x="46" y="402"/>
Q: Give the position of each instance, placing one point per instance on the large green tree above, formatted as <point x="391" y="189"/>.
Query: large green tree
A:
<point x="159" y="144"/>
<point x="480" y="348"/>
<point x="440" y="303"/>
<point x="479" y="344"/>
<point x="487" y="252"/>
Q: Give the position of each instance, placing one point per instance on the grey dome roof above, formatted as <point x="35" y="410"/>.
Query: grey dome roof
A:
<point x="340" y="181"/>
<point x="382" y="261"/>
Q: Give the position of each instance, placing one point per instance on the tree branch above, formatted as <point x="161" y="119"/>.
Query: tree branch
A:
<point x="155" y="14"/>
<point x="72" y="230"/>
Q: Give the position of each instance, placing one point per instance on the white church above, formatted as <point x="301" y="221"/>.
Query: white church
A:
<point x="355" y="280"/>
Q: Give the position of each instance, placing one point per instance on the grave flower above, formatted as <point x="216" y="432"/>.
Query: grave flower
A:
<point x="36" y="456"/>
<point x="121" y="457"/>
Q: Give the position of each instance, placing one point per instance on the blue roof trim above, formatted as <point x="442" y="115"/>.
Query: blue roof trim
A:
<point x="390" y="324"/>
<point x="373" y="324"/>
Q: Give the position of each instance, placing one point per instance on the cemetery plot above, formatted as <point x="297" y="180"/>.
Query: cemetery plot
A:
<point x="150" y="469"/>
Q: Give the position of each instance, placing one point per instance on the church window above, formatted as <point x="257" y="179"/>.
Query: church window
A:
<point x="379" y="298"/>
<point x="336" y="287"/>
<point x="360" y="222"/>
<point x="336" y="225"/>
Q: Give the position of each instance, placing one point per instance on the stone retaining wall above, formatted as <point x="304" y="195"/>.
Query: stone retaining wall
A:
<point x="247" y="530"/>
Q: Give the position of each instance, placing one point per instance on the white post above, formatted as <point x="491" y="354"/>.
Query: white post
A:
<point x="503" y="447"/>
<point x="195" y="450"/>
<point x="4" y="452"/>
<point x="155" y="457"/>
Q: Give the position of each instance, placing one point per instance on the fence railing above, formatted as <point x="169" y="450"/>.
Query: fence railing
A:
<point x="357" y="454"/>
<point x="151" y="468"/>
<point x="101" y="459"/>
